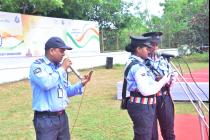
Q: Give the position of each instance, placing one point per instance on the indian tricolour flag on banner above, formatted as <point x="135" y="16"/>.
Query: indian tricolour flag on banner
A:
<point x="11" y="34"/>
<point x="25" y="35"/>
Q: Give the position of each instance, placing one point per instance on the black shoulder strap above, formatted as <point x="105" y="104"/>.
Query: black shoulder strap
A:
<point x="125" y="75"/>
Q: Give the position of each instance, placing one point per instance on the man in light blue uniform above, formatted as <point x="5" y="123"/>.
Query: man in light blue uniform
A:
<point x="50" y="88"/>
<point x="165" y="106"/>
<point x="142" y="87"/>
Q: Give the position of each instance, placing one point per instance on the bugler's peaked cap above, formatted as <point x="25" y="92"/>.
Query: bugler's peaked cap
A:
<point x="154" y="35"/>
<point x="135" y="40"/>
<point x="138" y="41"/>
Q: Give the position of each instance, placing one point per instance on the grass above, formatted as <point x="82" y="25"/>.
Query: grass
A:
<point x="196" y="57"/>
<point x="100" y="117"/>
<point x="194" y="62"/>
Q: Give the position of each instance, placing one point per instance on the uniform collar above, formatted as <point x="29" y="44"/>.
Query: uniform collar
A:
<point x="46" y="60"/>
<point x="137" y="58"/>
<point x="155" y="57"/>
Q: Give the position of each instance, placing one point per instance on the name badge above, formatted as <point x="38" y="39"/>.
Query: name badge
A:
<point x="60" y="93"/>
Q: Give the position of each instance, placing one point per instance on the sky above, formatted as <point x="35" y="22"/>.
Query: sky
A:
<point x="152" y="6"/>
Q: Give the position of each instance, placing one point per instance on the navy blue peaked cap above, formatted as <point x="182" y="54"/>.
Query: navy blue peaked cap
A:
<point x="141" y="41"/>
<point x="138" y="41"/>
<point x="154" y="35"/>
<point x="56" y="42"/>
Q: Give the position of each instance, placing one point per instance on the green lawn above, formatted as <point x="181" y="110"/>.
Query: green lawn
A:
<point x="100" y="117"/>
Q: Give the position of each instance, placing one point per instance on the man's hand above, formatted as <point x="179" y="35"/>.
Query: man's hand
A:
<point x="87" y="78"/>
<point x="66" y="63"/>
<point x="157" y="78"/>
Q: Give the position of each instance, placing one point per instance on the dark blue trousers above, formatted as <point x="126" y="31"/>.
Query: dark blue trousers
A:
<point x="51" y="127"/>
<point x="143" y="116"/>
<point x="165" y="117"/>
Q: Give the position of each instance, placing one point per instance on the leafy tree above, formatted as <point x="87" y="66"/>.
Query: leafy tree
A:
<point x="179" y="22"/>
<point x="32" y="7"/>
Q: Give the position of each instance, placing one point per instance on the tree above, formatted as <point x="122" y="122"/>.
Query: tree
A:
<point x="31" y="7"/>
<point x="178" y="22"/>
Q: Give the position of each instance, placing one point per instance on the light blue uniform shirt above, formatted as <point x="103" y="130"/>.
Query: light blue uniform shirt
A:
<point x="161" y="65"/>
<point x="140" y="78"/>
<point x="49" y="86"/>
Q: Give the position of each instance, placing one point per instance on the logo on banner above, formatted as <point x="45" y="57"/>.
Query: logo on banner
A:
<point x="1" y="40"/>
<point x="17" y="20"/>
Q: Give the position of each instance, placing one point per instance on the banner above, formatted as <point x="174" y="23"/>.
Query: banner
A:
<point x="25" y="35"/>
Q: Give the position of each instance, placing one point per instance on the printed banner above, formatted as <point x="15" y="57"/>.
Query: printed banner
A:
<point x="25" y="35"/>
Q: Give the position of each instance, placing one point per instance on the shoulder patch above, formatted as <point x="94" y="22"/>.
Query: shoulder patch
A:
<point x="37" y="70"/>
<point x="141" y="64"/>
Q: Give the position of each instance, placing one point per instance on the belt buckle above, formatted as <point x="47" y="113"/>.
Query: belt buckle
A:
<point x="159" y="93"/>
<point x="165" y="93"/>
<point x="60" y="112"/>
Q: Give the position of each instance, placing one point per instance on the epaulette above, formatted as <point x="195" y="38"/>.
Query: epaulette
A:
<point x="161" y="58"/>
<point x="39" y="61"/>
<point x="141" y="64"/>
